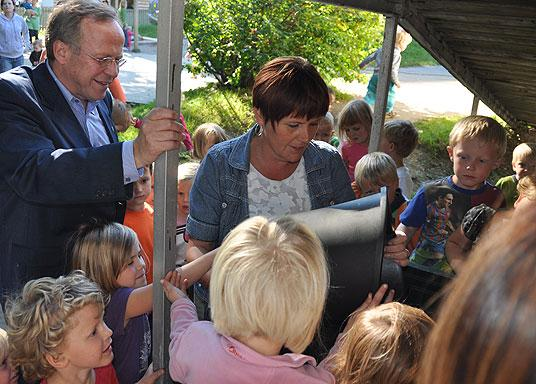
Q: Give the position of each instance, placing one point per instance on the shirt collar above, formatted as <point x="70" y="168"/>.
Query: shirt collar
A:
<point x="91" y="105"/>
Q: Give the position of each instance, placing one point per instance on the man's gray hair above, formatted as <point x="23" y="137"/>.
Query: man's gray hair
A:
<point x="64" y="21"/>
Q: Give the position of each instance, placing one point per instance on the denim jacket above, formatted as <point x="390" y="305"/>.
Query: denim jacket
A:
<point x="219" y="194"/>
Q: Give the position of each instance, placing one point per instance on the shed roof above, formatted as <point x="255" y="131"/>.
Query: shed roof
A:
<point x="488" y="45"/>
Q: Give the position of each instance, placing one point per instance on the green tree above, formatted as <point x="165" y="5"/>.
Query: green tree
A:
<point x="232" y="39"/>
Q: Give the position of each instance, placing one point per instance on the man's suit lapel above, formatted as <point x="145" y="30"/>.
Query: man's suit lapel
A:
<point x="105" y="115"/>
<point x="55" y="105"/>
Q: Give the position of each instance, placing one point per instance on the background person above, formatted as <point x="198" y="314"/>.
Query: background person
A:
<point x="60" y="160"/>
<point x="14" y="37"/>
<point x="485" y="328"/>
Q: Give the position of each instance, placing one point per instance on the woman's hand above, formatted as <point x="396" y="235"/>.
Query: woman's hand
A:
<point x="174" y="285"/>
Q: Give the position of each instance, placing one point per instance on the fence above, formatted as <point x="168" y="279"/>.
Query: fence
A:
<point x="143" y="15"/>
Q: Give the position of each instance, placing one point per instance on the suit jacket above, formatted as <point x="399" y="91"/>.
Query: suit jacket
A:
<point x="44" y="198"/>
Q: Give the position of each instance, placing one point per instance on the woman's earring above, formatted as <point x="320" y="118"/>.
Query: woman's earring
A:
<point x="260" y="130"/>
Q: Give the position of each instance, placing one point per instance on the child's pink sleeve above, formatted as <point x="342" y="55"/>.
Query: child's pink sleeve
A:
<point x="183" y="314"/>
<point x="187" y="139"/>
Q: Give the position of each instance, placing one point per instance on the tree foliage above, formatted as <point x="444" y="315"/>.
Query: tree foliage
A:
<point x="232" y="39"/>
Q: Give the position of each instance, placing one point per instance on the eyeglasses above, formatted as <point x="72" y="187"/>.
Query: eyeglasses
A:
<point x="107" y="61"/>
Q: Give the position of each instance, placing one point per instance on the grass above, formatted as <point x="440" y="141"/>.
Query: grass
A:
<point x="148" y="30"/>
<point x="434" y="133"/>
<point x="229" y="109"/>
<point x="416" y="56"/>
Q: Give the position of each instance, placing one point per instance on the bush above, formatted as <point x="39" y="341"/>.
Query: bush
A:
<point x="230" y="109"/>
<point x="232" y="39"/>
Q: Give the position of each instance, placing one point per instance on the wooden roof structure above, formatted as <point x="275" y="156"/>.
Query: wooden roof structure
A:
<point x="487" y="45"/>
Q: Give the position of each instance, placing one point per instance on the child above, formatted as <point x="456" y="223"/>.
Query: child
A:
<point x="111" y="256"/>
<point x="267" y="289"/>
<point x="326" y="130"/>
<point x="399" y="139"/>
<point x="57" y="333"/>
<point x="476" y="146"/>
<point x="8" y="375"/>
<point x="523" y="162"/>
<point x="121" y="116"/>
<point x="526" y="189"/>
<point x="35" y="56"/>
<point x="140" y="217"/>
<point x="377" y="170"/>
<point x="332" y="98"/>
<point x="402" y="41"/>
<point x="205" y="136"/>
<point x="382" y="345"/>
<point x="355" y="123"/>
<point x="185" y="177"/>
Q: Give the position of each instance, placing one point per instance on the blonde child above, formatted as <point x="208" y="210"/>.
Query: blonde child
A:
<point x="8" y="375"/>
<point x="382" y="345"/>
<point x="140" y="217"/>
<point x="376" y="170"/>
<point x="523" y="162"/>
<point x="326" y="130"/>
<point x="399" y="139"/>
<point x="268" y="287"/>
<point x="355" y="123"/>
<point x="205" y="136"/>
<point x="111" y="256"/>
<point x="185" y="177"/>
<point x="401" y="43"/>
<point x="476" y="146"/>
<point x="57" y="333"/>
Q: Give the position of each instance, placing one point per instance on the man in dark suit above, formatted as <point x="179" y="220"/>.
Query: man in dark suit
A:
<point x="60" y="161"/>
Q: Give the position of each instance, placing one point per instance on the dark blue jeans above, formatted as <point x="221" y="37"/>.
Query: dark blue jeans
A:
<point x="7" y="63"/>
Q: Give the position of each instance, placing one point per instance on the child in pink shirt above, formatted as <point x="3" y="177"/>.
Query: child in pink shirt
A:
<point x="268" y="286"/>
<point x="355" y="123"/>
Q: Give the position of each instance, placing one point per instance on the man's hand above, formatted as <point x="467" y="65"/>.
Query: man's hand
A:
<point x="160" y="132"/>
<point x="396" y="249"/>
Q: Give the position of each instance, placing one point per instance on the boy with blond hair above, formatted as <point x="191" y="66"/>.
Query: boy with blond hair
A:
<point x="399" y="139"/>
<point x="523" y="162"/>
<point x="57" y="333"/>
<point x="476" y="146"/>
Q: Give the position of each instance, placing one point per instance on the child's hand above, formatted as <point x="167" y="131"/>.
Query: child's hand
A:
<point x="396" y="249"/>
<point x="151" y="377"/>
<point x="174" y="285"/>
<point x="371" y="302"/>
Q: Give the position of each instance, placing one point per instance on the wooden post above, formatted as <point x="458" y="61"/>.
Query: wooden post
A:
<point x="168" y="94"/>
<point x="136" y="23"/>
<point x="384" y="79"/>
<point x="474" y="107"/>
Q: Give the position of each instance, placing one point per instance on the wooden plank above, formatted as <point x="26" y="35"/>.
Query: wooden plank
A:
<point x="384" y="79"/>
<point x="168" y="94"/>
<point x="480" y="9"/>
<point x="489" y="20"/>
<point x="387" y="7"/>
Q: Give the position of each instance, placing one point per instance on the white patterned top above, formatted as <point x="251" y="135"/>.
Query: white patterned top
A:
<point x="274" y="198"/>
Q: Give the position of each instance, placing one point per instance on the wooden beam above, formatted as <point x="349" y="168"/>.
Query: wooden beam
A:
<point x="384" y="80"/>
<point x="474" y="107"/>
<point x="387" y="7"/>
<point x="168" y="94"/>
